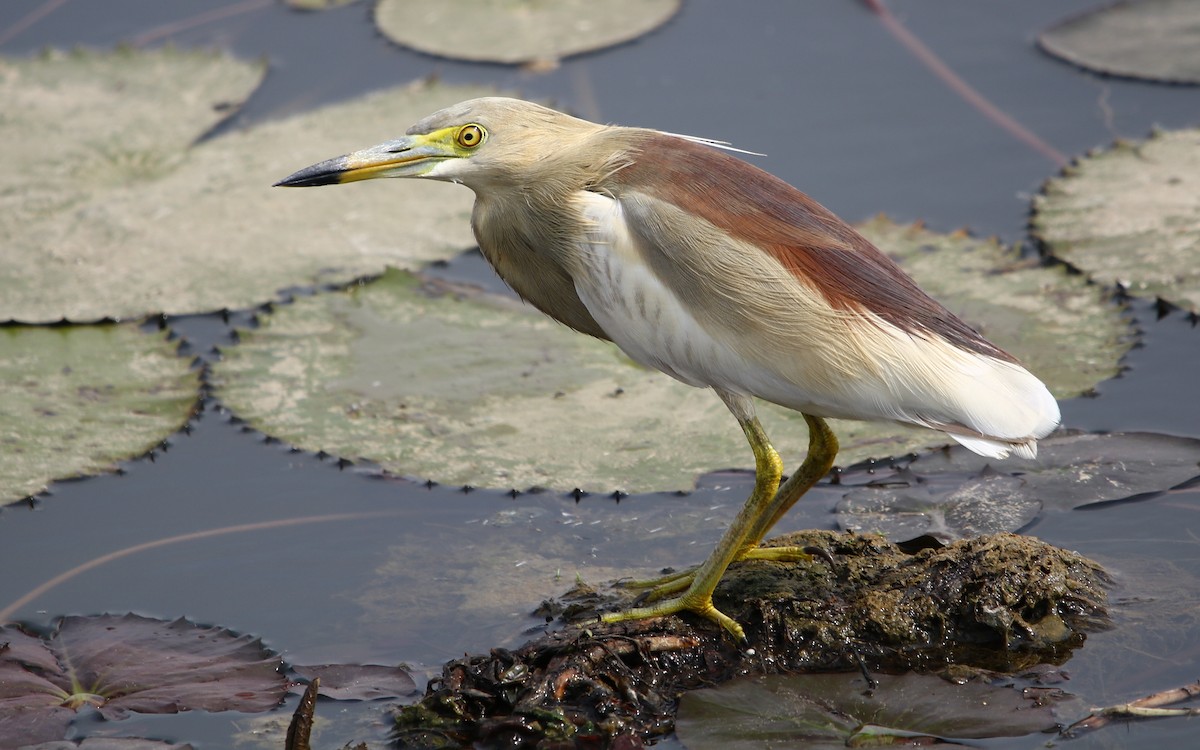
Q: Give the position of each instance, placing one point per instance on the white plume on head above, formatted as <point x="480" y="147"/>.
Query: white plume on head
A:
<point x="723" y="145"/>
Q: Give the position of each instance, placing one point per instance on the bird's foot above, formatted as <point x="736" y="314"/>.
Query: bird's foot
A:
<point x="659" y="588"/>
<point x="698" y="602"/>
<point x="681" y="579"/>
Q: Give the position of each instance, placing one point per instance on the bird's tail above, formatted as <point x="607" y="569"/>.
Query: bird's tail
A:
<point x="1004" y="409"/>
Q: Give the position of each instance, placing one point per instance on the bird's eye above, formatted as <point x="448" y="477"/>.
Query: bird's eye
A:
<point x="469" y="136"/>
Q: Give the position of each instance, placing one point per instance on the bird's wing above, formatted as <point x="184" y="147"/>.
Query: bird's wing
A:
<point x="820" y="250"/>
<point x="816" y="317"/>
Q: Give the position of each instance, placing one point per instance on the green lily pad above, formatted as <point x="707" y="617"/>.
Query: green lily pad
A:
<point x="128" y="663"/>
<point x="476" y="389"/>
<point x="1157" y="40"/>
<point x="108" y="207"/>
<point x="837" y="711"/>
<point x="480" y="390"/>
<point x="517" y="31"/>
<point x="76" y="400"/>
<point x="1130" y="215"/>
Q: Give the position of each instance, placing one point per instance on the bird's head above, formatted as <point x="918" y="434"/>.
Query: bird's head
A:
<point x="480" y="142"/>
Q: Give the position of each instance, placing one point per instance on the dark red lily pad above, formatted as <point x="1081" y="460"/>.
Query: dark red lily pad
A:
<point x="128" y="663"/>
<point x="109" y="743"/>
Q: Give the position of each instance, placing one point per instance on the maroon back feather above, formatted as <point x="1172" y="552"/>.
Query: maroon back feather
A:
<point x="818" y="248"/>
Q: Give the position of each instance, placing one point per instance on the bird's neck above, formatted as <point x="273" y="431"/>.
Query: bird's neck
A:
<point x="535" y="206"/>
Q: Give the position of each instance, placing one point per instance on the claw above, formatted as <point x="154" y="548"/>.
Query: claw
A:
<point x="820" y="552"/>
<point x="684" y="603"/>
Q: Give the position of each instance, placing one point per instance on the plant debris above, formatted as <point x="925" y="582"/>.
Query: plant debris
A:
<point x="1000" y="602"/>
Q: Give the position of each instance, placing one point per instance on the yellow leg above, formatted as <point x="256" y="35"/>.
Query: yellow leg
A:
<point x="698" y="596"/>
<point x="768" y="503"/>
<point x="822" y="451"/>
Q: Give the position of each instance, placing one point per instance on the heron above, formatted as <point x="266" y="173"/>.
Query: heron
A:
<point x="697" y="263"/>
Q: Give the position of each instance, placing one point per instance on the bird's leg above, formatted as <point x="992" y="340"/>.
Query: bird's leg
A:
<point x="698" y="595"/>
<point x="664" y="584"/>
<point x="822" y="450"/>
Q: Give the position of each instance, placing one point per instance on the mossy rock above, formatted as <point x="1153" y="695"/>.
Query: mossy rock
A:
<point x="998" y="602"/>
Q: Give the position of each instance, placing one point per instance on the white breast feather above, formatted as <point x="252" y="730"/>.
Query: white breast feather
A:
<point x="636" y="309"/>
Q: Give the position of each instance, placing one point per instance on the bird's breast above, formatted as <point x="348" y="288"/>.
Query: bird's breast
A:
<point x="529" y="262"/>
<point x="641" y="313"/>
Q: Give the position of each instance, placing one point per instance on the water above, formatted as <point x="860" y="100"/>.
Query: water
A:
<point x="843" y="112"/>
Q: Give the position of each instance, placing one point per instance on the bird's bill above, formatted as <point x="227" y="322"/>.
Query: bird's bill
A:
<point x="409" y="156"/>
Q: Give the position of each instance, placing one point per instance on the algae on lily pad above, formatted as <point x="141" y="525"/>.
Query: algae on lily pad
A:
<point x="517" y="31"/>
<point x="75" y="400"/>
<point x="110" y="208"/>
<point x="475" y="389"/>
<point x="1157" y="40"/>
<point x="1130" y="215"/>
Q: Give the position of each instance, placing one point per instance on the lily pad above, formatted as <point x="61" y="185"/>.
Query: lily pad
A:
<point x="108" y="207"/>
<point x="1156" y="40"/>
<point x="983" y="504"/>
<point x="480" y="390"/>
<point x="1077" y="469"/>
<point x="475" y="389"/>
<point x="128" y="663"/>
<point x="1130" y="215"/>
<point x="517" y="31"/>
<point x="108" y="743"/>
<point x="956" y="494"/>
<point x="838" y="711"/>
<point x="359" y="682"/>
<point x="76" y="400"/>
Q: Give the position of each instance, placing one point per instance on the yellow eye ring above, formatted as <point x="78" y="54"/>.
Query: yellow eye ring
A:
<point x="469" y="136"/>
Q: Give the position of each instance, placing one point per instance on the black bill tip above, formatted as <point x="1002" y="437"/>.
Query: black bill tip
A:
<point x="328" y="172"/>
